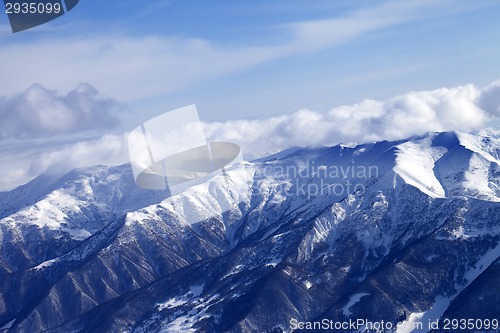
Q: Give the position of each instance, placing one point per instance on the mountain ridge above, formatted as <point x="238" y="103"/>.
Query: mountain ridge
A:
<point x="299" y="237"/>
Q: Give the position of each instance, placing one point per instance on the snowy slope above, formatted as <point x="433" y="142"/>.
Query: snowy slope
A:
<point x="446" y="164"/>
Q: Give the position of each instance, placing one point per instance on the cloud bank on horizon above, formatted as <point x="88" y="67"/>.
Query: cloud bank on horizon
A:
<point x="39" y="112"/>
<point x="462" y="108"/>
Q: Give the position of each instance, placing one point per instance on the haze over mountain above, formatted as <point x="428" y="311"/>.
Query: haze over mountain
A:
<point x="400" y="231"/>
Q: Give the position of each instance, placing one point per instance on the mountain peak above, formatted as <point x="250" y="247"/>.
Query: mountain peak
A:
<point x="450" y="163"/>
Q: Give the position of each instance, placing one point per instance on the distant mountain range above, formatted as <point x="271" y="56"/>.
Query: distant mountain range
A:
<point x="384" y="235"/>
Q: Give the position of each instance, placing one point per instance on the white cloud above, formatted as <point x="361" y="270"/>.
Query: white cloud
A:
<point x="106" y="150"/>
<point x="490" y="99"/>
<point x="14" y="178"/>
<point x="38" y="112"/>
<point x="25" y="160"/>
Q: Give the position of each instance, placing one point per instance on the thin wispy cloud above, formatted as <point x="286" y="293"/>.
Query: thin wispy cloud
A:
<point x="319" y="34"/>
<point x="132" y="68"/>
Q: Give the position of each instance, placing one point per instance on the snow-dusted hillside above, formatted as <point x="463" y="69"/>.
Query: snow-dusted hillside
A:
<point x="392" y="231"/>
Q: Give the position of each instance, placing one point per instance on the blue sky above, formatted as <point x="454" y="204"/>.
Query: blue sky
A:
<point x="264" y="74"/>
<point x="364" y="49"/>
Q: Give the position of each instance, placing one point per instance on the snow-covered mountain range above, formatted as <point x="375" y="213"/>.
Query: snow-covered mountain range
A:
<point x="400" y="232"/>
